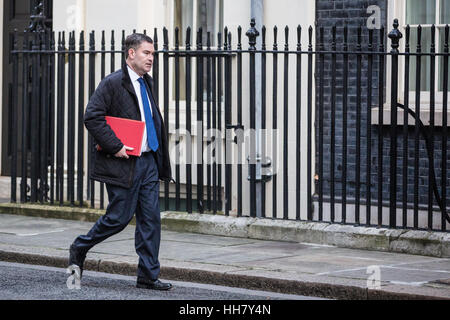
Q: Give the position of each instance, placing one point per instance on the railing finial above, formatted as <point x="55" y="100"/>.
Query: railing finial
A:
<point x="395" y="35"/>
<point x="38" y="18"/>
<point x="252" y="34"/>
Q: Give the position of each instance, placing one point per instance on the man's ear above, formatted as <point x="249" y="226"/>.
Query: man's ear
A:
<point x="131" y="52"/>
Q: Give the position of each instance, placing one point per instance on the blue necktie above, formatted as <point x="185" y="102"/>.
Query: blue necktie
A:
<point x="152" y="138"/>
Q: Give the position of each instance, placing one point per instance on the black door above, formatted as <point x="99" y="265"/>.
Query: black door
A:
<point x="16" y="17"/>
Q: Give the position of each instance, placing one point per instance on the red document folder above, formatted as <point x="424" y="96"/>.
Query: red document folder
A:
<point x="130" y="132"/>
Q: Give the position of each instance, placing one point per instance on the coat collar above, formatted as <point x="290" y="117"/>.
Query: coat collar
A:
<point x="126" y="80"/>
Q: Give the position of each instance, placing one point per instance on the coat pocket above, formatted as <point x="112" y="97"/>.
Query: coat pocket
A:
<point x="108" y="166"/>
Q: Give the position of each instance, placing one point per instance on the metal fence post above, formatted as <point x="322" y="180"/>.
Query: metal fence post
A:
<point x="445" y="132"/>
<point x="239" y="119"/>
<point x="199" y="87"/>
<point x="395" y="35"/>
<point x="228" y="119"/>
<point x="13" y="125"/>
<point x="177" y="119"/>
<point x="80" y="168"/>
<point x="25" y="119"/>
<point x="91" y="89"/>
<point x="166" y="105"/>
<point x="35" y="125"/>
<point x="188" y="123"/>
<point x="252" y="34"/>
<point x="310" y="124"/>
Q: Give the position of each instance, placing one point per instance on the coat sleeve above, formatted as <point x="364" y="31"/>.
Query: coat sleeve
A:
<point x="94" y="118"/>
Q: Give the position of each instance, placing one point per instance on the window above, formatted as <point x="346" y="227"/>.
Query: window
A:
<point x="207" y="14"/>
<point x="427" y="13"/>
<point x="199" y="13"/>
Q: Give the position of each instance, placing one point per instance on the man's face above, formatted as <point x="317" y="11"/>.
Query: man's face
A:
<point x="141" y="60"/>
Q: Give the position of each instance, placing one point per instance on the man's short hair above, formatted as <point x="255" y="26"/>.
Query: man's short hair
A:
<point x="134" y="41"/>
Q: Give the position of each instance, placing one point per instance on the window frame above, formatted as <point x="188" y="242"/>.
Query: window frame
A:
<point x="218" y="24"/>
<point x="397" y="10"/>
<point x="219" y="14"/>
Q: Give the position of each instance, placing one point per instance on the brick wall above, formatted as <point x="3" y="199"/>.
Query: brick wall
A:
<point x="354" y="12"/>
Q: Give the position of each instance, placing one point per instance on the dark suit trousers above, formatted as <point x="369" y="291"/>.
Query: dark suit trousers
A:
<point x="142" y="199"/>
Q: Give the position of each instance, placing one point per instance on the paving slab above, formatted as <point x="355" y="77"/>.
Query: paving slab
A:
<point x="424" y="243"/>
<point x="289" y="267"/>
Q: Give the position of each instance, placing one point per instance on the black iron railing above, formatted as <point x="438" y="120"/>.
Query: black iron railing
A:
<point x="357" y="163"/>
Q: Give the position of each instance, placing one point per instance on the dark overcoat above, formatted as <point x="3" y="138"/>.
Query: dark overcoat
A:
<point x="115" y="96"/>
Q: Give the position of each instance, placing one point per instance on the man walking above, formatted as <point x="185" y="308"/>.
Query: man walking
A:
<point x="132" y="183"/>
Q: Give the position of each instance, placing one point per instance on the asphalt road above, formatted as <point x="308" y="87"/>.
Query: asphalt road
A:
<point x="28" y="282"/>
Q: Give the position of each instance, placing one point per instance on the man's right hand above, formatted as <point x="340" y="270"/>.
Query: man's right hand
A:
<point x="123" y="152"/>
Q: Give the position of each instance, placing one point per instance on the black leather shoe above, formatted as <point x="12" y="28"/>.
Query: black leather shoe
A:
<point x="153" y="285"/>
<point x="76" y="258"/>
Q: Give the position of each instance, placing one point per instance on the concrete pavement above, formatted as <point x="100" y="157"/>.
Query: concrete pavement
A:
<point x="278" y="266"/>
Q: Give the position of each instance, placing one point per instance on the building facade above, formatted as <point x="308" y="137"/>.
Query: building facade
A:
<point x="213" y="16"/>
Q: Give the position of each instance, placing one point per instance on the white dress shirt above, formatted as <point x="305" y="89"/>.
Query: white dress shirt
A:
<point x="137" y="88"/>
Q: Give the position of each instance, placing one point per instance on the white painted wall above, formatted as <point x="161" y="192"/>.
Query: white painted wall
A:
<point x="281" y="13"/>
<point x="69" y="15"/>
<point x="291" y="13"/>
<point x="237" y="12"/>
<point x="98" y="15"/>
